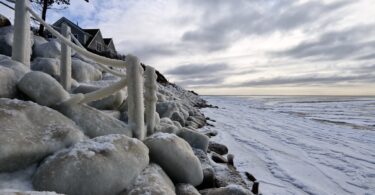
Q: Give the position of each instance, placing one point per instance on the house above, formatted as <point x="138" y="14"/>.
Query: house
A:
<point x="91" y="39"/>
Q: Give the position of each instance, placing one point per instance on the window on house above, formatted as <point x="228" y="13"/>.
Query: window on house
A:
<point x="98" y="46"/>
<point x="76" y="36"/>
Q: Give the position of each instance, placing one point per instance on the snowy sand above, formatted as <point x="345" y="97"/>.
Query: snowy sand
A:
<point x="300" y="145"/>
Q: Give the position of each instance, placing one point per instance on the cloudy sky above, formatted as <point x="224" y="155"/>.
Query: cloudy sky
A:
<point x="244" y="47"/>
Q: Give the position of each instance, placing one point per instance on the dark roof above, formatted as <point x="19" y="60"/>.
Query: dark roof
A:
<point x="92" y="32"/>
<point x="107" y="40"/>
<point x="69" y="22"/>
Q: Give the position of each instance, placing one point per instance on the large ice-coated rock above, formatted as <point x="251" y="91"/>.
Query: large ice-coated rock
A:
<point x="84" y="72"/>
<point x="194" y="138"/>
<point x="4" y="21"/>
<point x="50" y="49"/>
<point x="50" y="66"/>
<point x="6" y="40"/>
<point x="94" y="122"/>
<point x="152" y="180"/>
<point x="176" y="158"/>
<point x="228" y="190"/>
<point x="112" y="102"/>
<point x="10" y="72"/>
<point x="166" y="109"/>
<point x="42" y="88"/>
<point x="186" y="189"/>
<point x="29" y="132"/>
<point x="103" y="165"/>
<point x="16" y="192"/>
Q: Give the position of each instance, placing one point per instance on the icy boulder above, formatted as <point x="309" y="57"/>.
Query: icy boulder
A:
<point x="29" y="132"/>
<point x="50" y="66"/>
<point x="4" y="21"/>
<point x="6" y="40"/>
<point x="186" y="189"/>
<point x="14" y="192"/>
<point x="50" y="49"/>
<point x="166" y="109"/>
<point x="176" y="158"/>
<point x="10" y="72"/>
<point x="103" y="165"/>
<point x="152" y="180"/>
<point x="194" y="138"/>
<point x="166" y="125"/>
<point x="230" y="189"/>
<point x="42" y="88"/>
<point x="94" y="122"/>
<point x="112" y="102"/>
<point x="84" y="72"/>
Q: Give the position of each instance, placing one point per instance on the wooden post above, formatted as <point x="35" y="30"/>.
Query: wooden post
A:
<point x="66" y="60"/>
<point x="21" y="49"/>
<point x="134" y="74"/>
<point x="150" y="98"/>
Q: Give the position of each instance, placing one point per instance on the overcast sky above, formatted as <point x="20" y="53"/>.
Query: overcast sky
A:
<point x="244" y="47"/>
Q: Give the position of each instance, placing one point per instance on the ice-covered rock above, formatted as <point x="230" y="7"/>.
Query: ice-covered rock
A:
<point x="29" y="132"/>
<point x="186" y="189"/>
<point x="166" y="109"/>
<point x="199" y="120"/>
<point x="113" y="113"/>
<point x="228" y="190"/>
<point x="38" y="40"/>
<point x="6" y="40"/>
<point x="112" y="102"/>
<point x="218" y="148"/>
<point x="152" y="180"/>
<point x="176" y="158"/>
<point x="50" y="66"/>
<point x="208" y="170"/>
<point x="103" y="165"/>
<point x="177" y="116"/>
<point x="42" y="88"/>
<point x="8" y="82"/>
<point x="167" y="128"/>
<point x="84" y="72"/>
<point x="4" y="21"/>
<point x="194" y="138"/>
<point x="94" y="122"/>
<point x="50" y="49"/>
<point x="226" y="174"/>
<point x="218" y="158"/>
<point x="16" y="192"/>
<point x="10" y="72"/>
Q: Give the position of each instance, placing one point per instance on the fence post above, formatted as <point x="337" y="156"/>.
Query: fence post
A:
<point x="66" y="60"/>
<point x="134" y="74"/>
<point x="21" y="49"/>
<point x="150" y="98"/>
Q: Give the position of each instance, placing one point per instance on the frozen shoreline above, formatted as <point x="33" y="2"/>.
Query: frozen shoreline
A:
<point x="290" y="154"/>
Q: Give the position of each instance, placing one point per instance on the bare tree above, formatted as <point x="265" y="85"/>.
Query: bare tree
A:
<point x="47" y="4"/>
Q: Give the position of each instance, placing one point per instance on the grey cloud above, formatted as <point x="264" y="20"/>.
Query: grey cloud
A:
<point x="191" y="70"/>
<point x="246" y="18"/>
<point x="149" y="51"/>
<point x="308" y="80"/>
<point x="367" y="57"/>
<point x="334" y="45"/>
<point x="201" y="81"/>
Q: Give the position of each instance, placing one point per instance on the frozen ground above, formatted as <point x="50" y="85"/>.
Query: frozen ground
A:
<point x="300" y="145"/>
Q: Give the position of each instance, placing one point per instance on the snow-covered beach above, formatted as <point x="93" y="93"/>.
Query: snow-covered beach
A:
<point x="300" y="145"/>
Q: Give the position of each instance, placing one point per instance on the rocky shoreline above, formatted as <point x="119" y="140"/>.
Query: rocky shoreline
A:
<point x="88" y="149"/>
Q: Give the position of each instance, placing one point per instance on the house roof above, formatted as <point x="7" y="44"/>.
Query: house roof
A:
<point x="107" y="41"/>
<point x="93" y="33"/>
<point x="66" y="20"/>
